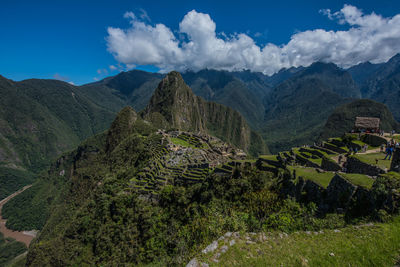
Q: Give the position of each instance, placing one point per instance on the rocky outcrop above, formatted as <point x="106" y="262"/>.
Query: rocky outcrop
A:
<point x="354" y="165"/>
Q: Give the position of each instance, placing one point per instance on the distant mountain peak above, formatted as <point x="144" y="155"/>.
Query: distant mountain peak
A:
<point x="320" y="67"/>
<point x="395" y="59"/>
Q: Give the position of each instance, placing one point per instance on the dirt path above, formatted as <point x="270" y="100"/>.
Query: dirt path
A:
<point x="25" y="236"/>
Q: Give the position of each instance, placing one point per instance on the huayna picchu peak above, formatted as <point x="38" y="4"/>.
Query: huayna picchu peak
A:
<point x="174" y="105"/>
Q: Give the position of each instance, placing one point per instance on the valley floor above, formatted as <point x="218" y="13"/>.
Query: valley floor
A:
<point x="363" y="245"/>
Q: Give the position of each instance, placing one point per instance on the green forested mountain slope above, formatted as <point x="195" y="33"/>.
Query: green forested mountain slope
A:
<point x="132" y="88"/>
<point x="42" y="118"/>
<point x="296" y="110"/>
<point x="383" y="85"/>
<point x="39" y="120"/>
<point x="343" y="117"/>
<point x="384" y="72"/>
<point x="86" y="189"/>
<point x="363" y="71"/>
<point x="242" y="91"/>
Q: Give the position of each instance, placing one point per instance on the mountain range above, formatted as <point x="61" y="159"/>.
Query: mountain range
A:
<point x="42" y="118"/>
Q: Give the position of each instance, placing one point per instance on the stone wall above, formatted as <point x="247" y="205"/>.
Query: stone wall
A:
<point x="329" y="165"/>
<point x="339" y="193"/>
<point x="311" y="151"/>
<point x="395" y="166"/>
<point x="362" y="203"/>
<point x="334" y="148"/>
<point x="313" y="192"/>
<point x="373" y="140"/>
<point x="354" y="165"/>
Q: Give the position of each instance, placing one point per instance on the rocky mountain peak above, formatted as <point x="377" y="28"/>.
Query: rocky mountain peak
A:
<point x="174" y="105"/>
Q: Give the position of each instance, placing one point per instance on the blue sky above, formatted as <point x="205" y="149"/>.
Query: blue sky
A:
<point x="68" y="40"/>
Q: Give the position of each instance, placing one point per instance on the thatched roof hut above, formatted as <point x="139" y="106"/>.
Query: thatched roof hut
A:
<point x="367" y="123"/>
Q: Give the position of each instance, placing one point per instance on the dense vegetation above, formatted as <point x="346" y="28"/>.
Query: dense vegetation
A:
<point x="44" y="118"/>
<point x="12" y="180"/>
<point x="31" y="209"/>
<point x="9" y="249"/>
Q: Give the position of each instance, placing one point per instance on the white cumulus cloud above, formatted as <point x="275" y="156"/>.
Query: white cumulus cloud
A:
<point x="197" y="45"/>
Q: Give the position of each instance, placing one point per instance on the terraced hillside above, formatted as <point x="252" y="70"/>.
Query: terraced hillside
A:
<point x="322" y="161"/>
<point x="186" y="158"/>
<point x="183" y="158"/>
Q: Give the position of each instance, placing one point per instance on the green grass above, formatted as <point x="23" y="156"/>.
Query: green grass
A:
<point x="181" y="142"/>
<point x="359" y="179"/>
<point x="322" y="179"/>
<point x="370" y="159"/>
<point x="269" y="157"/>
<point x="376" y="245"/>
